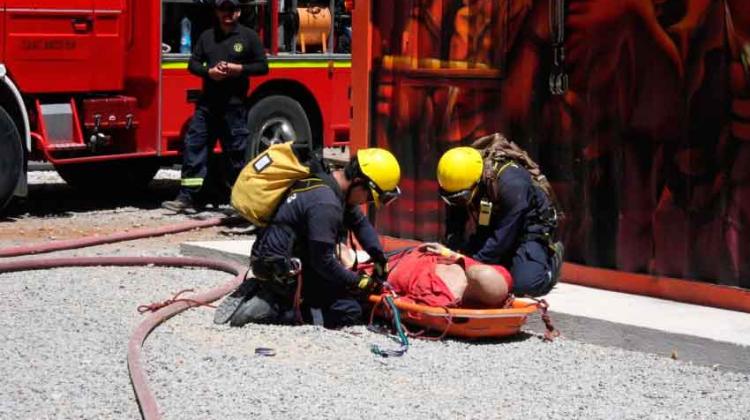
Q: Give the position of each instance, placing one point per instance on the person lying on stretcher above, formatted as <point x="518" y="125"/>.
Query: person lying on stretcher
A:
<point x="433" y="275"/>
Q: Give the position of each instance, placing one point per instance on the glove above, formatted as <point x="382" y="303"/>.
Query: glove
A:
<point x="380" y="270"/>
<point x="439" y="249"/>
<point x="369" y="285"/>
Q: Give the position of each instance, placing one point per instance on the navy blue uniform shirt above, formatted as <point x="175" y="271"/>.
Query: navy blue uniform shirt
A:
<point x="516" y="215"/>
<point x="241" y="46"/>
<point x="317" y="221"/>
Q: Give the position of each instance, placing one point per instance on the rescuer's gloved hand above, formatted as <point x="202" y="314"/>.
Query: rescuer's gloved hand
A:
<point x="369" y="285"/>
<point x="380" y="269"/>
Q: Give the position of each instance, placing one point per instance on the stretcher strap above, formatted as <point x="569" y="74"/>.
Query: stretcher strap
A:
<point x="551" y="332"/>
<point x="448" y="324"/>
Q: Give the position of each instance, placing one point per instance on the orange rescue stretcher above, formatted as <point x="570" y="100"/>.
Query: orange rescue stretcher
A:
<point x="462" y="322"/>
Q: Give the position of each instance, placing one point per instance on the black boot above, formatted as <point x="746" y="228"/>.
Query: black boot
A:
<point x="263" y="308"/>
<point x="558" y="256"/>
<point x="231" y="303"/>
<point x="180" y="204"/>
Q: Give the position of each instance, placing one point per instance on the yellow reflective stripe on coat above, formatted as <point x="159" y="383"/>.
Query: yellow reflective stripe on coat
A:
<point x="192" y="182"/>
<point x="505" y="166"/>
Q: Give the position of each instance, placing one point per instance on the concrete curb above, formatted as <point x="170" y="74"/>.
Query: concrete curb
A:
<point x="686" y="348"/>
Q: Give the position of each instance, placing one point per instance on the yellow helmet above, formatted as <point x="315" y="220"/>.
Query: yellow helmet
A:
<point x="459" y="170"/>
<point x="383" y="173"/>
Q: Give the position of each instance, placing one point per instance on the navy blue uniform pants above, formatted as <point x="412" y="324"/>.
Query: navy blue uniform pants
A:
<point x="339" y="312"/>
<point x="322" y="303"/>
<point x="532" y="269"/>
<point x="229" y="125"/>
<point x="337" y="305"/>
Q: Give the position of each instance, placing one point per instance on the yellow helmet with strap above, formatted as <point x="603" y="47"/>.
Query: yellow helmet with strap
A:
<point x="459" y="169"/>
<point x="382" y="171"/>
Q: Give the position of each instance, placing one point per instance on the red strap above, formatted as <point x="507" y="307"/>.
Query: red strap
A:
<point x="176" y="298"/>
<point x="551" y="332"/>
<point x="298" y="300"/>
<point x="448" y="324"/>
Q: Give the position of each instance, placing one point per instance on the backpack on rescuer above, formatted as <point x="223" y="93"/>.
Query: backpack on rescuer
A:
<point x="497" y="150"/>
<point x="265" y="181"/>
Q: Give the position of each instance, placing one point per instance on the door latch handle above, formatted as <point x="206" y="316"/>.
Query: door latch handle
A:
<point x="82" y="25"/>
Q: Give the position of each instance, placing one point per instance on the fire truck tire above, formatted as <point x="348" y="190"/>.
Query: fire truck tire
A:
<point x="11" y="157"/>
<point x="276" y="119"/>
<point x="114" y="177"/>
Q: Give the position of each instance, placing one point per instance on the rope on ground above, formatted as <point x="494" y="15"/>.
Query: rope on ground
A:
<point x="153" y="307"/>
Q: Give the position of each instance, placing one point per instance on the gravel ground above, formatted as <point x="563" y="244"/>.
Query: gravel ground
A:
<point x="65" y="332"/>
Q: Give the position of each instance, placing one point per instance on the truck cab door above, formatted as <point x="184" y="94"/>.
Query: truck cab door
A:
<point x="50" y="45"/>
<point x="110" y="32"/>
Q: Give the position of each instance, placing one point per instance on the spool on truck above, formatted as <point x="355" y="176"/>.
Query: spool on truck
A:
<point x="100" y="89"/>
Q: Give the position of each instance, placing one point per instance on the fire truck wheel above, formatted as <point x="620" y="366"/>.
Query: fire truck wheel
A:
<point x="115" y="177"/>
<point x="276" y="119"/>
<point x="11" y="157"/>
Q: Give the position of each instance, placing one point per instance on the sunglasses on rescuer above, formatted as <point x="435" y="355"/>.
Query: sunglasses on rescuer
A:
<point x="458" y="198"/>
<point x="384" y="197"/>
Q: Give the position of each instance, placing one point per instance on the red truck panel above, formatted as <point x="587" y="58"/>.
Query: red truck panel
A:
<point x="54" y="46"/>
<point x="2" y="31"/>
<point x="109" y="43"/>
<point x="143" y="68"/>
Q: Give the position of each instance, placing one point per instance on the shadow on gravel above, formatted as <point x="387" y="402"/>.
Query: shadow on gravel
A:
<point x="59" y="200"/>
<point x="522" y="336"/>
<point x="431" y="335"/>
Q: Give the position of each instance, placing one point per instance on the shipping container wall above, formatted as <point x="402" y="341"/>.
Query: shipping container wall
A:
<point x="639" y="115"/>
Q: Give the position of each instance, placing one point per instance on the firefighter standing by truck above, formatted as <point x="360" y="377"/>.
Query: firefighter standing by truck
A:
<point x="224" y="56"/>
<point x="514" y="221"/>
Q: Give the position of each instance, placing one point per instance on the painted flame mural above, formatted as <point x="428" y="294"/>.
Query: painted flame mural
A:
<point x="637" y="110"/>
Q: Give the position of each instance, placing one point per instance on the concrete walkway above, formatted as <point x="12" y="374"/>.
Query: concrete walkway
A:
<point x="703" y="335"/>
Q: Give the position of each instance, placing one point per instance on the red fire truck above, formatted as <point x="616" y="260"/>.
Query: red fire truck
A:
<point x="100" y="88"/>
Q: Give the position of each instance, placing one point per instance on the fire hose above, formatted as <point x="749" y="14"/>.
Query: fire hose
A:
<point x="117" y="237"/>
<point x="144" y="396"/>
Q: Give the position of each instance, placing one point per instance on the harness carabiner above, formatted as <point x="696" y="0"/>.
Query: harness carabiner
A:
<point x="296" y="267"/>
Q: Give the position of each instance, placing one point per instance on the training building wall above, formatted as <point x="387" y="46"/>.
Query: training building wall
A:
<point x="648" y="148"/>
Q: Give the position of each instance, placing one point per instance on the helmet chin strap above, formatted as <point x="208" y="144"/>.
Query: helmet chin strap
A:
<point x="356" y="182"/>
<point x="349" y="191"/>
